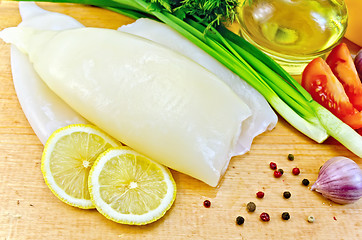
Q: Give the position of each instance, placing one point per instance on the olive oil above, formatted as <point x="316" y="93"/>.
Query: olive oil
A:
<point x="293" y="32"/>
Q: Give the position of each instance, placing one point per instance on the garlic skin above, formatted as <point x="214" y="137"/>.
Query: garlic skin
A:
<point x="340" y="180"/>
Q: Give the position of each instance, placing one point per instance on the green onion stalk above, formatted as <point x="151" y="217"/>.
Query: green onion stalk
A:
<point x="203" y="23"/>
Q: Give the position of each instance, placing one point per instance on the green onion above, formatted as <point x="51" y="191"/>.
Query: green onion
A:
<point x="200" y="21"/>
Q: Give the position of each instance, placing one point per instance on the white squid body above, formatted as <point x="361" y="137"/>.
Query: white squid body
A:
<point x="263" y="117"/>
<point x="154" y="100"/>
<point x="194" y="125"/>
<point x="45" y="111"/>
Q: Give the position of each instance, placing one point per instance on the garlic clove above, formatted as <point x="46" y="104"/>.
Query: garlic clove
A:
<point x="339" y="180"/>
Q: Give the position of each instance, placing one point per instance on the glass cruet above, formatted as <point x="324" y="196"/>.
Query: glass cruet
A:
<point x="293" y="32"/>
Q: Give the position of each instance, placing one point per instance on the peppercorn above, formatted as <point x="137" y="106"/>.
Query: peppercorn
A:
<point x="259" y="194"/>
<point x="207" y="203"/>
<point x="281" y="171"/>
<point x="296" y="171"/>
<point x="285" y="215"/>
<point x="251" y="207"/>
<point x="273" y="165"/>
<point x="240" y="220"/>
<point x="311" y="219"/>
<point x="277" y="174"/>
<point x="287" y="194"/>
<point x="264" y="217"/>
<point x="290" y="157"/>
<point x="305" y="182"/>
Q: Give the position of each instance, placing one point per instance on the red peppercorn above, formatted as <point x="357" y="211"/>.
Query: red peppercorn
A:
<point x="264" y="217"/>
<point x="273" y="165"/>
<point x="277" y="174"/>
<point x="207" y="203"/>
<point x="259" y="194"/>
<point x="296" y="171"/>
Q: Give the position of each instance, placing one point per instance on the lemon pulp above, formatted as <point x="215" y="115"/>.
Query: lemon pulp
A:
<point x="129" y="188"/>
<point x="67" y="159"/>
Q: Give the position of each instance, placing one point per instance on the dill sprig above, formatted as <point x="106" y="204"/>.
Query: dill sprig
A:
<point x="213" y="12"/>
<point x="209" y="12"/>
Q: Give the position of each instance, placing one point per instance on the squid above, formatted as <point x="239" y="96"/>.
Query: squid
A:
<point x="145" y="85"/>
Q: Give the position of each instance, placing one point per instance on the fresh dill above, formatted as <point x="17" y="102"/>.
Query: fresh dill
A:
<point x="214" y="12"/>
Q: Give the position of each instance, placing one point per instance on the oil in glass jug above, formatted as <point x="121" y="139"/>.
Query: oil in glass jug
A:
<point x="293" y="32"/>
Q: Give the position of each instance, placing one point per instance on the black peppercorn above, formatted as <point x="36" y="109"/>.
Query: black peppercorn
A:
<point x="287" y="194"/>
<point x="240" y="220"/>
<point x="251" y="207"/>
<point x="305" y="182"/>
<point x="285" y="215"/>
<point x="281" y="171"/>
<point x="290" y="157"/>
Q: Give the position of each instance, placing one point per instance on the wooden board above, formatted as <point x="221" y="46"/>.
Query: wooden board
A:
<point x="28" y="209"/>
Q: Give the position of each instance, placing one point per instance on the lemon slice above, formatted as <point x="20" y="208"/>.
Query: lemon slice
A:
<point x="67" y="159"/>
<point x="129" y="188"/>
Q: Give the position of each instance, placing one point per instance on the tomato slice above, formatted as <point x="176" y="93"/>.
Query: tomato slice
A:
<point x="319" y="80"/>
<point x="354" y="120"/>
<point x="341" y="63"/>
<point x="359" y="131"/>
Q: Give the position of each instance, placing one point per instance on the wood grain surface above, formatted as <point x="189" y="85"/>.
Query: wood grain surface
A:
<point x="28" y="209"/>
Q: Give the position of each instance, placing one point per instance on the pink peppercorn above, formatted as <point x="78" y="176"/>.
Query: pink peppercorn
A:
<point x="296" y="171"/>
<point x="207" y="203"/>
<point x="259" y="194"/>
<point x="264" y="217"/>
<point x="277" y="174"/>
<point x="273" y="165"/>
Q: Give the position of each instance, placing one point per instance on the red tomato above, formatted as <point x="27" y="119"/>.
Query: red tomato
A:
<point x="341" y="63"/>
<point x="354" y="121"/>
<point x="319" y="81"/>
<point x="359" y="131"/>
